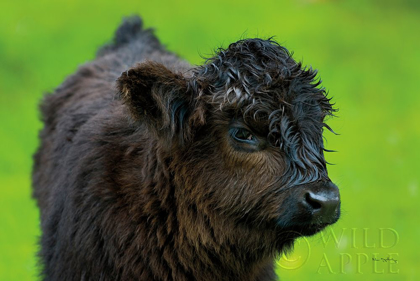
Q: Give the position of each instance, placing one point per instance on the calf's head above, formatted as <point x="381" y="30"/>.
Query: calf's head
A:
<point x="243" y="136"/>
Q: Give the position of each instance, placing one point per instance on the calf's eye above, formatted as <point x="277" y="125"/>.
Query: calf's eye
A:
<point x="243" y="135"/>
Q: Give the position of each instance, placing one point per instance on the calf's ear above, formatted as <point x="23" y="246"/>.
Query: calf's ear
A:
<point x="157" y="96"/>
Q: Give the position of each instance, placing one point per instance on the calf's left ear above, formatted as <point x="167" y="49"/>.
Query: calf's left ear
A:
<point x="158" y="97"/>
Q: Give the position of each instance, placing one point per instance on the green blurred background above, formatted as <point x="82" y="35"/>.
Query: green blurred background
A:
<point x="367" y="53"/>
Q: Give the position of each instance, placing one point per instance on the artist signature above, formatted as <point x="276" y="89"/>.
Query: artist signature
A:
<point x="388" y="259"/>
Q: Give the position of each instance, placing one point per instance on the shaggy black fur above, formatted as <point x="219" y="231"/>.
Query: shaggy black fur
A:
<point x="150" y="169"/>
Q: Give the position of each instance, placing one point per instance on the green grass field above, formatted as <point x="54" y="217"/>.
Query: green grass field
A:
<point x="367" y="53"/>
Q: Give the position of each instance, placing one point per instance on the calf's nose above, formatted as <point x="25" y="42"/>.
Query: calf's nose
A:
<point x="323" y="202"/>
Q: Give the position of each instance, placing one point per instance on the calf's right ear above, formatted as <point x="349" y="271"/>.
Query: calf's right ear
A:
<point x="158" y="96"/>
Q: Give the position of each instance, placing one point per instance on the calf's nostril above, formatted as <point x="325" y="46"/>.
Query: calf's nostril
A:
<point x="313" y="201"/>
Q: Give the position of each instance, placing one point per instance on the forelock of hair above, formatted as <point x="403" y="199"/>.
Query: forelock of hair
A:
<point x="247" y="67"/>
